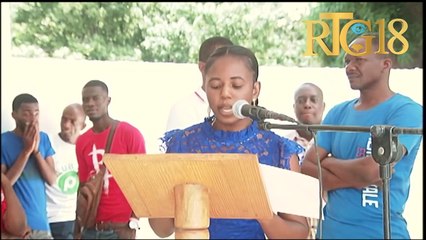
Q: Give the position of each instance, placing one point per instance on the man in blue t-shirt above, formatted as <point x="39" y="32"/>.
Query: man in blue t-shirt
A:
<point x="349" y="172"/>
<point x="26" y="160"/>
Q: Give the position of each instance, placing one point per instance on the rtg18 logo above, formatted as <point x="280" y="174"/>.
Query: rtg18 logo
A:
<point x="358" y="27"/>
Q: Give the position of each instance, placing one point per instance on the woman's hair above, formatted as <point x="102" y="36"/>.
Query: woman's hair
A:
<point x="209" y="45"/>
<point x="238" y="51"/>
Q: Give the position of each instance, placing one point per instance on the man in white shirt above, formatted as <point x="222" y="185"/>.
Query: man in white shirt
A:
<point x="62" y="196"/>
<point x="193" y="108"/>
<point x="309" y="108"/>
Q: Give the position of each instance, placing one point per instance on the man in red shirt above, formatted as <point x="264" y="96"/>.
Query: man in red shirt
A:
<point x="114" y="212"/>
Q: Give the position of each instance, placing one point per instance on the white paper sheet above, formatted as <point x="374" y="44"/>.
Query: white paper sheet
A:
<point x="291" y="192"/>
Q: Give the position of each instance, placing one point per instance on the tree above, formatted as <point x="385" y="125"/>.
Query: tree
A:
<point x="172" y="32"/>
<point x="158" y="32"/>
<point x="410" y="12"/>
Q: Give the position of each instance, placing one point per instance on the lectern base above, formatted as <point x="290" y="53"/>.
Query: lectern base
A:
<point x="192" y="212"/>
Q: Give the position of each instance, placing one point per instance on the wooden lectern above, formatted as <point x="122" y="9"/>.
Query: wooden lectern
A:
<point x="191" y="188"/>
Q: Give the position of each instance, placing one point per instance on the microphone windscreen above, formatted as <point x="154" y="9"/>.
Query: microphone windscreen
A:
<point x="237" y="107"/>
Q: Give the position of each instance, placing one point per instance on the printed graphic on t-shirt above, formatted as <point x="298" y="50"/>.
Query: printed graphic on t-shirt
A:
<point x="370" y="194"/>
<point x="364" y="151"/>
<point x="369" y="147"/>
<point x="68" y="182"/>
<point x="97" y="161"/>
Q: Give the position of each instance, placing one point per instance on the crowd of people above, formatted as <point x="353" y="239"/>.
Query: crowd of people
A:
<point x="42" y="175"/>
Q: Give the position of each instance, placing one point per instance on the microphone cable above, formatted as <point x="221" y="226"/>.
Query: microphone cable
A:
<point x="319" y="226"/>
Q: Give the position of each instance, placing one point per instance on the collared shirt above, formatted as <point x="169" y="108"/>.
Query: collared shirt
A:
<point x="189" y="110"/>
<point x="294" y="135"/>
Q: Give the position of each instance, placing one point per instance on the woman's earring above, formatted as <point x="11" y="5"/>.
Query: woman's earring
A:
<point x="209" y="111"/>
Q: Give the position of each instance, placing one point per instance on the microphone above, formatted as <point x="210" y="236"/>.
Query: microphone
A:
<point x="242" y="109"/>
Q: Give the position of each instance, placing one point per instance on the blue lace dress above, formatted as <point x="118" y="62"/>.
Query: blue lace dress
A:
<point x="270" y="148"/>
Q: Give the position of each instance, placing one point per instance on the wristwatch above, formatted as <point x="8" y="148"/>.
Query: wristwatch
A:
<point x="134" y="223"/>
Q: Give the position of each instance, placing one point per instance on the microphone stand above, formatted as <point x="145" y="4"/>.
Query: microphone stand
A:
<point x="385" y="150"/>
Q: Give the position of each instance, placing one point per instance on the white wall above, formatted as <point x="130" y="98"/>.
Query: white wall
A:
<point x="142" y="94"/>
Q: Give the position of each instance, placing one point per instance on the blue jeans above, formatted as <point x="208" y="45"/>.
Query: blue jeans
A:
<point x="94" y="234"/>
<point x="62" y="230"/>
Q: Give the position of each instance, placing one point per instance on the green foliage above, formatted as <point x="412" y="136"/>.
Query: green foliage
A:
<point x="411" y="12"/>
<point x="173" y="32"/>
<point x="96" y="30"/>
<point x="158" y="32"/>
